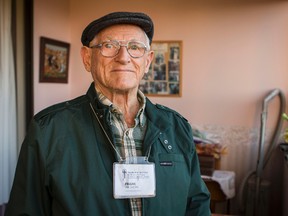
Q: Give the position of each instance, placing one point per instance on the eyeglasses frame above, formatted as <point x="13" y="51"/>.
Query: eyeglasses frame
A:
<point x="100" y="45"/>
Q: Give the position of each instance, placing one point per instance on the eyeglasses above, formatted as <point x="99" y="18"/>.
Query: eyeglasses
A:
<point x="111" y="48"/>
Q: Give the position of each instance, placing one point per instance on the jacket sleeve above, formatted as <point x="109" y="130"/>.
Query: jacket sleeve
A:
<point x="199" y="202"/>
<point x="29" y="195"/>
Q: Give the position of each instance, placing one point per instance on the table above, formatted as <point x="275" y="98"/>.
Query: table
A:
<point x="221" y="186"/>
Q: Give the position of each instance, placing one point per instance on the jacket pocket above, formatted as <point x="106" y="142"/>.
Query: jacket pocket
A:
<point x="172" y="183"/>
<point x="171" y="159"/>
<point x="172" y="169"/>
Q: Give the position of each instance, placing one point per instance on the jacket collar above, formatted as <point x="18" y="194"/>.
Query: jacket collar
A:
<point x="93" y="98"/>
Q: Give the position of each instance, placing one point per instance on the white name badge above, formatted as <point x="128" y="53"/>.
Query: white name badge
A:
<point x="134" y="180"/>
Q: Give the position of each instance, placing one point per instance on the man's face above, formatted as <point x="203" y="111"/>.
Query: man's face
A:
<point x="121" y="73"/>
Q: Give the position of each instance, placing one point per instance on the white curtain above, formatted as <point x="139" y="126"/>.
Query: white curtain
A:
<point x="8" y="129"/>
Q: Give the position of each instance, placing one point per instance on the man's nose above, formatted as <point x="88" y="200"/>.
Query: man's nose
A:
<point x="123" y="53"/>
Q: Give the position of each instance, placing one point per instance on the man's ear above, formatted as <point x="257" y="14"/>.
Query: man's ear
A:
<point x="149" y="60"/>
<point x="86" y="57"/>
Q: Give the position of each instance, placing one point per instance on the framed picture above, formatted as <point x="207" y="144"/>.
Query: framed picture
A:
<point x="54" y="60"/>
<point x="164" y="76"/>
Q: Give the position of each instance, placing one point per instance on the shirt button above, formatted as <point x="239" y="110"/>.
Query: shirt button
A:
<point x="169" y="147"/>
<point x="165" y="141"/>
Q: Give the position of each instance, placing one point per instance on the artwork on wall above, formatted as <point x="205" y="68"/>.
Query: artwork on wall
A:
<point x="54" y="60"/>
<point x="164" y="76"/>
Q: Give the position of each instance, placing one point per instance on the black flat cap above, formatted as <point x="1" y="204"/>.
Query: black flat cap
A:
<point x="140" y="19"/>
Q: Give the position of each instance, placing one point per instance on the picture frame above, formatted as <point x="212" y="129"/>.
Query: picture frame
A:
<point x="54" y="60"/>
<point x="164" y="77"/>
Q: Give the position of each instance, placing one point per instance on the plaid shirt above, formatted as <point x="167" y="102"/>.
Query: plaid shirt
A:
<point x="128" y="141"/>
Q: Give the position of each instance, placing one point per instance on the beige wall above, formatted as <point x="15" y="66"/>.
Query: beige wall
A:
<point x="52" y="20"/>
<point x="234" y="53"/>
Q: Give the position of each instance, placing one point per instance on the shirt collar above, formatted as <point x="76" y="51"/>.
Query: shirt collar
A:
<point x="140" y="96"/>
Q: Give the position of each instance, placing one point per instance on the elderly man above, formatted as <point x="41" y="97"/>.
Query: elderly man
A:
<point x="111" y="151"/>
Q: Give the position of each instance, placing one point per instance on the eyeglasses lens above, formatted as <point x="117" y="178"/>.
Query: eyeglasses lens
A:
<point x="111" y="48"/>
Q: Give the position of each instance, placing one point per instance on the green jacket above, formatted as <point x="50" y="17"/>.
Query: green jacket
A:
<point x="65" y="164"/>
